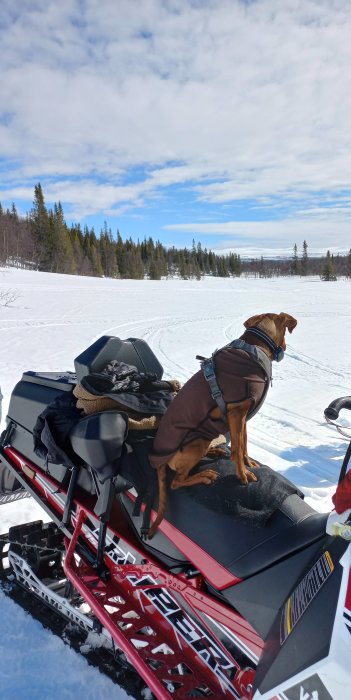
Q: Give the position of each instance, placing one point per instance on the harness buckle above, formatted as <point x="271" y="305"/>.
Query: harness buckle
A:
<point x="208" y="370"/>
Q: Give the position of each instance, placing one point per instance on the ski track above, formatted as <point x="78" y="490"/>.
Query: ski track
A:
<point x="159" y="337"/>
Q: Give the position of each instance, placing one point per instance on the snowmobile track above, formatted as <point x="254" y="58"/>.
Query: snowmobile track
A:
<point x="111" y="662"/>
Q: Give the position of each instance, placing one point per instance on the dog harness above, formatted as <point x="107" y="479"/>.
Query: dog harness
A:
<point x="208" y="368"/>
<point x="243" y="371"/>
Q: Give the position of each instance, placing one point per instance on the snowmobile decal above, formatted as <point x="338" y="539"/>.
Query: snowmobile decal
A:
<point x="310" y="689"/>
<point x="112" y="549"/>
<point x="347" y="617"/>
<point x="234" y="639"/>
<point x="304" y="593"/>
<point x="199" y="640"/>
<point x="50" y="491"/>
<point x="348" y="594"/>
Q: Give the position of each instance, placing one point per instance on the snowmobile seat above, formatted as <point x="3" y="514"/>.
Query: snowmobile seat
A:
<point x="244" y="528"/>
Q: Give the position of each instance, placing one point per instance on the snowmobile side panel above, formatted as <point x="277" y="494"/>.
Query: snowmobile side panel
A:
<point x="308" y="613"/>
<point x="259" y="597"/>
<point x="329" y="677"/>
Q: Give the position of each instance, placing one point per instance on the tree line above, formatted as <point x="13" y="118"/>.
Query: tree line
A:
<point x="42" y="240"/>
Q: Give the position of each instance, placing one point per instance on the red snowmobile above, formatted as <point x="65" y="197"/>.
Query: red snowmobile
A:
<point x="244" y="591"/>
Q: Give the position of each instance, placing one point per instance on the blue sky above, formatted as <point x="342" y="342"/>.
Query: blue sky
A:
<point x="223" y="121"/>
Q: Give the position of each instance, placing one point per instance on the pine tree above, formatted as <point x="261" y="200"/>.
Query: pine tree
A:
<point x="222" y="268"/>
<point x="3" y="237"/>
<point x="154" y="271"/>
<point x="234" y="264"/>
<point x="304" y="261"/>
<point x="349" y="264"/>
<point x="108" y="253"/>
<point x="135" y="265"/>
<point x="40" y="225"/>
<point x="328" y="274"/>
<point x="295" y="262"/>
<point x="13" y="212"/>
<point x="61" y="253"/>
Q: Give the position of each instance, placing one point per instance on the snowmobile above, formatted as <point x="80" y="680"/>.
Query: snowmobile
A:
<point x="222" y="602"/>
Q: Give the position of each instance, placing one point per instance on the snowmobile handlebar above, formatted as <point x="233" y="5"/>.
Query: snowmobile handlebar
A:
<point x="332" y="411"/>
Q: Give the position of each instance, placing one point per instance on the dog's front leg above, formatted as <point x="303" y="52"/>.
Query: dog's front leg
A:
<point x="236" y="416"/>
<point x="248" y="460"/>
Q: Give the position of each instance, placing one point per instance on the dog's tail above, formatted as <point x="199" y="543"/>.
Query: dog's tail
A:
<point x="162" y="499"/>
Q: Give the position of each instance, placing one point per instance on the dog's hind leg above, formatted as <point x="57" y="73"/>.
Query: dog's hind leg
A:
<point x="183" y="462"/>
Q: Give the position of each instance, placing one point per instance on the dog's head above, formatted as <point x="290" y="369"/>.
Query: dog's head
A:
<point x="273" y="325"/>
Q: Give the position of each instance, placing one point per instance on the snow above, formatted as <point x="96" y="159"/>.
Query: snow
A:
<point x="55" y="317"/>
<point x="36" y="665"/>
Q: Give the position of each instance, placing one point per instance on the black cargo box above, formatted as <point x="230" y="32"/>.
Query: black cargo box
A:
<point x="132" y="351"/>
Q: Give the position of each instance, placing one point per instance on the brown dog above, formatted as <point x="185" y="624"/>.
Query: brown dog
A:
<point x="194" y="418"/>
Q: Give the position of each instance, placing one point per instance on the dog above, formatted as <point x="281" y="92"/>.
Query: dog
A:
<point x="194" y="418"/>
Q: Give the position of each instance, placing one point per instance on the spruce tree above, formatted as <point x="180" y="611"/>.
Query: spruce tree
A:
<point x="295" y="262"/>
<point x="62" y="254"/>
<point x="304" y="261"/>
<point x="328" y="274"/>
<point x="135" y="265"/>
<point x="40" y="225"/>
<point x="154" y="270"/>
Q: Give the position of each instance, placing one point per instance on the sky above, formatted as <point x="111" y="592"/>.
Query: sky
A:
<point x="223" y="121"/>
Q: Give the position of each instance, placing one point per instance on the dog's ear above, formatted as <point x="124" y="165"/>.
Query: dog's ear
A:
<point x="289" y="321"/>
<point x="254" y="320"/>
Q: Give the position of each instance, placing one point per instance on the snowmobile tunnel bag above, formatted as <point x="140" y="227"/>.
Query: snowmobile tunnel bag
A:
<point x="35" y="392"/>
<point x="30" y="397"/>
<point x="98" y="439"/>
<point x="132" y="351"/>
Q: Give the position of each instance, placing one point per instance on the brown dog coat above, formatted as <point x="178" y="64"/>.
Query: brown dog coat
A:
<point x="188" y="418"/>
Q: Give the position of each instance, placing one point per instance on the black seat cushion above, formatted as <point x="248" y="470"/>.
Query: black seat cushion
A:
<point x="244" y="528"/>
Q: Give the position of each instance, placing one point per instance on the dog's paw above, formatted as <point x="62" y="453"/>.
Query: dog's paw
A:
<point x="246" y="477"/>
<point x="216" y="452"/>
<point x="208" y="476"/>
<point x="251" y="463"/>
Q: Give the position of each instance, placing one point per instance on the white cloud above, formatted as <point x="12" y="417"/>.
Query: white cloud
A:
<point x="240" y="100"/>
<point x="320" y="233"/>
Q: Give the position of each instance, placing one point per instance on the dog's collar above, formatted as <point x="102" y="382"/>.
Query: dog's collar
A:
<point x="277" y="350"/>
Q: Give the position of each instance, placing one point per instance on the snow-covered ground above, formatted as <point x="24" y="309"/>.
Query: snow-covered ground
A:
<point x="55" y="317"/>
